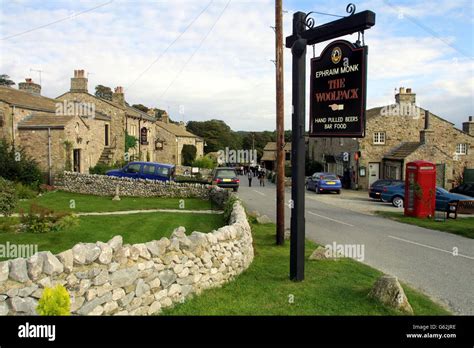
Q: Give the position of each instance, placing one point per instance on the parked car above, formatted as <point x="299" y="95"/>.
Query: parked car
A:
<point x="396" y="195"/>
<point x="225" y="177"/>
<point x="375" y="190"/>
<point x="464" y="189"/>
<point x="145" y="170"/>
<point x="321" y="182"/>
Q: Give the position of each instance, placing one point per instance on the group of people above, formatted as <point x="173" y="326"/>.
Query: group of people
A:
<point x="259" y="173"/>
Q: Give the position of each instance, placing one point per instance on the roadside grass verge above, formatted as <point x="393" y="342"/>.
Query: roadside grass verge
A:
<point x="461" y="226"/>
<point x="61" y="201"/>
<point x="330" y="287"/>
<point x="134" y="228"/>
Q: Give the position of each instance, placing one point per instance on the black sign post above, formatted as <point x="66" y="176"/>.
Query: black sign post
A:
<point x="305" y="34"/>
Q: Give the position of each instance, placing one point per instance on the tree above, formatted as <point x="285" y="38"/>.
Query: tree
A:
<point x="217" y="135"/>
<point x="140" y="107"/>
<point x="5" y="80"/>
<point x="188" y="154"/>
<point x="17" y="166"/>
<point x="103" y="92"/>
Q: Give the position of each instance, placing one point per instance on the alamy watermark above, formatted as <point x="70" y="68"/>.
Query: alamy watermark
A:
<point x="12" y="251"/>
<point x="401" y="110"/>
<point x="354" y="251"/>
<point x="69" y="108"/>
<point x="237" y="156"/>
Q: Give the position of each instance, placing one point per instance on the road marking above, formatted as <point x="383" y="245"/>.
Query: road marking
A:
<point x="431" y="247"/>
<point x="260" y="193"/>
<point x="325" y="217"/>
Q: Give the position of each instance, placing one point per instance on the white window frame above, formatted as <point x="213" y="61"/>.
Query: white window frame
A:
<point x="377" y="138"/>
<point x="461" y="149"/>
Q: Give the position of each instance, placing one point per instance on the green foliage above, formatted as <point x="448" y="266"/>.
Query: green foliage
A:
<point x="5" y="80"/>
<point x="103" y="92"/>
<point x="216" y="133"/>
<point x="205" y="162"/>
<point x="68" y="148"/>
<point x="100" y="169"/>
<point x="140" y="107"/>
<point x="16" y="165"/>
<point x="54" y="301"/>
<point x="188" y="154"/>
<point x="24" y="191"/>
<point x="43" y="220"/>
<point x="67" y="222"/>
<point x="312" y="167"/>
<point x="130" y="142"/>
<point x="8" y="225"/>
<point x="8" y="197"/>
<point x="228" y="206"/>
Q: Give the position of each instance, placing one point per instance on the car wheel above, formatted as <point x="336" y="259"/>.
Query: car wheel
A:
<point x="338" y="192"/>
<point x="397" y="201"/>
<point x="235" y="189"/>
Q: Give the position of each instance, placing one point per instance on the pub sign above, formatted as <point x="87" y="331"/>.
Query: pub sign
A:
<point x="338" y="91"/>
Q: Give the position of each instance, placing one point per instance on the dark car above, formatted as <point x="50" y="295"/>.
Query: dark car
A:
<point x="321" y="182"/>
<point x="225" y="177"/>
<point x="464" y="189"/>
<point x="145" y="170"/>
<point x="375" y="190"/>
<point x="396" y="195"/>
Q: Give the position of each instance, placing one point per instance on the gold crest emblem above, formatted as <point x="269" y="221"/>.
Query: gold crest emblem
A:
<point x="336" y="55"/>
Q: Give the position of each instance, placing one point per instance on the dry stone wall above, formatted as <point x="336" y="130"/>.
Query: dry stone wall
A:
<point x="141" y="279"/>
<point x="103" y="185"/>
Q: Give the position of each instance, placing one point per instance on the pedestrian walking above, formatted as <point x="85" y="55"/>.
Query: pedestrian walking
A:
<point x="250" y="176"/>
<point x="261" y="177"/>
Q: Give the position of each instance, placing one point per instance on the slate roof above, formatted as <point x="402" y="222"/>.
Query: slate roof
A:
<point x="177" y="130"/>
<point x="403" y="150"/>
<point x="26" y="100"/>
<point x="43" y="120"/>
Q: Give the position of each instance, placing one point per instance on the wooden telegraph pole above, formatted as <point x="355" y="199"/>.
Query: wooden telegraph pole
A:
<point x="280" y="125"/>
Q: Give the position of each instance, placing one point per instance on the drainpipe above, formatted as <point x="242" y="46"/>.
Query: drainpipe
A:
<point x="49" y="156"/>
<point x="13" y="126"/>
<point x="139" y="138"/>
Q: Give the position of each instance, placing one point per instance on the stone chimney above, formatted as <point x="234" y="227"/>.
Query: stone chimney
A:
<point x="151" y="112"/>
<point x="468" y="127"/>
<point x="165" y="118"/>
<point x="30" y="87"/>
<point x="405" y="96"/>
<point x="118" y="96"/>
<point x="427" y="134"/>
<point x="79" y="82"/>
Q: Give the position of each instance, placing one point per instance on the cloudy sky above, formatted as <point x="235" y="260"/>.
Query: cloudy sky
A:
<point x="212" y="59"/>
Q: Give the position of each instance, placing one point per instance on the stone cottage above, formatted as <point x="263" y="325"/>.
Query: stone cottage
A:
<point x="170" y="139"/>
<point x="395" y="135"/>
<point x="79" y="130"/>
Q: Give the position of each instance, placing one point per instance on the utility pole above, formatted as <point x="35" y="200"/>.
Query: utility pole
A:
<point x="280" y="125"/>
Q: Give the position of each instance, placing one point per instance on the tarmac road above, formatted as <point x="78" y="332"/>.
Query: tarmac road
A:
<point x="420" y="257"/>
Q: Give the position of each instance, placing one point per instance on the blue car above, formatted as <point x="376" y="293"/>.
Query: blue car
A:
<point x="324" y="182"/>
<point x="145" y="170"/>
<point x="396" y="195"/>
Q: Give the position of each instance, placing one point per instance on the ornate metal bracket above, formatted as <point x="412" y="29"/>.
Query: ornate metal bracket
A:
<point x="309" y="22"/>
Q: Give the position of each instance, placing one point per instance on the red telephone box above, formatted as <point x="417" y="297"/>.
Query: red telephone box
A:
<point x="420" y="189"/>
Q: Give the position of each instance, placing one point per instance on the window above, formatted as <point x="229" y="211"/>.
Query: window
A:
<point x="163" y="171"/>
<point x="133" y="130"/>
<point x="461" y="149"/>
<point x="148" y="169"/>
<point x="379" y="138"/>
<point x="133" y="168"/>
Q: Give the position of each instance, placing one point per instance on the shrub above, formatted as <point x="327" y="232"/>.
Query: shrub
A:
<point x="99" y="169"/>
<point x="188" y="154"/>
<point x="46" y="188"/>
<point x="18" y="166"/>
<point x="8" y="197"/>
<point x="205" y="162"/>
<point x="42" y="220"/>
<point x="54" y="301"/>
<point x="66" y="222"/>
<point x="24" y="191"/>
<point x="229" y="204"/>
<point x="8" y="225"/>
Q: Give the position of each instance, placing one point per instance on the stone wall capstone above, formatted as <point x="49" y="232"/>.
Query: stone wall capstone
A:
<point x="141" y="279"/>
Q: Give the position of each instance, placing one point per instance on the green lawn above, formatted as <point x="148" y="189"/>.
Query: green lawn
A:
<point x="134" y="228"/>
<point x="61" y="201"/>
<point x="330" y="287"/>
<point x="462" y="226"/>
